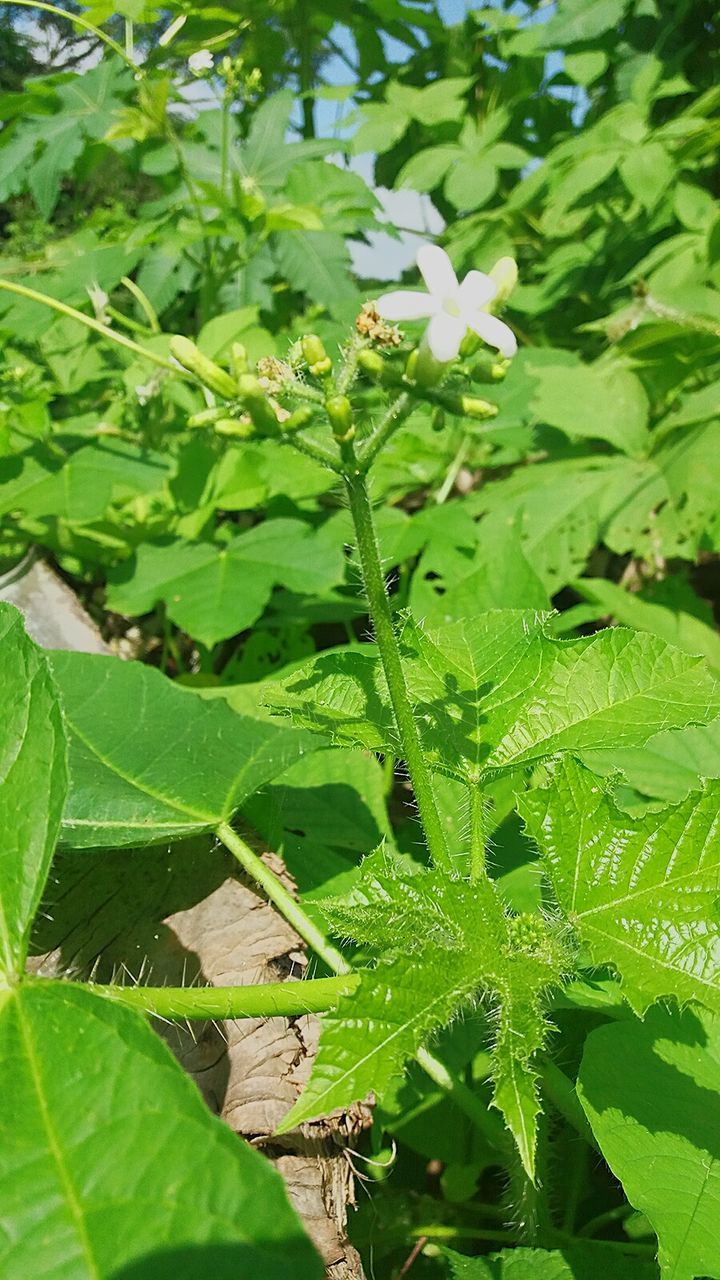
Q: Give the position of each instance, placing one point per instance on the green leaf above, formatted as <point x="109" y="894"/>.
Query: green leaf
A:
<point x="603" y="401"/>
<point x="647" y="172"/>
<point x="590" y="1260"/>
<point x="677" y="627"/>
<point x="650" y="1092"/>
<point x="109" y="1159"/>
<point x="84" y="110"/>
<point x="471" y="182"/>
<point x="641" y="893"/>
<point x="585" y="67"/>
<point x="669" y="765"/>
<point x="318" y="263"/>
<point x="426" y="169"/>
<point x="214" y="591"/>
<point x="321" y="816"/>
<point x="150" y="761"/>
<point x="83" y="487"/>
<point x="448" y="584"/>
<point x="441" y="942"/>
<point x="496" y="692"/>
<point x="33" y="781"/>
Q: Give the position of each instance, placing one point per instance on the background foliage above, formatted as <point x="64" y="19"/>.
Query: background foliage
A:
<point x="582" y="139"/>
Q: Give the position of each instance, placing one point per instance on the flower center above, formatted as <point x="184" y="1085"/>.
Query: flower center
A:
<point x="450" y="307"/>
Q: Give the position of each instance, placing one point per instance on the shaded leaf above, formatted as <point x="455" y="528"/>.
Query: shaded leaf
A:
<point x="650" y="1092"/>
<point x="33" y="781"/>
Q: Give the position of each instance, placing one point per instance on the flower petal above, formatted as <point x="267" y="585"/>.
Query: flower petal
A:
<point x="444" y="335"/>
<point x="476" y="291"/>
<point x="437" y="271"/>
<point x="405" y="305"/>
<point x="493" y="331"/>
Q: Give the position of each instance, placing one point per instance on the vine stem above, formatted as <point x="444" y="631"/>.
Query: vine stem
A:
<point x="97" y="326"/>
<point x="284" y="901"/>
<point x="266" y="1000"/>
<point x="88" y="26"/>
<point x="387" y="643"/>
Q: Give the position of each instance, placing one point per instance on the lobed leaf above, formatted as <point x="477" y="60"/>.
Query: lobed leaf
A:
<point x="641" y="893"/>
<point x="496" y="691"/>
<point x="443" y="942"/>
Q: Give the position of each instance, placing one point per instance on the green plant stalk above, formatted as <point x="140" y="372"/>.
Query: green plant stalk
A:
<point x="379" y="607"/>
<point x="399" y="410"/>
<point x="96" y="325"/>
<point x="314" y="451"/>
<point x="284" y="901"/>
<point x="88" y="26"/>
<point x="563" y="1095"/>
<point x="487" y="1122"/>
<point x="464" y="1098"/>
<point x="477" y="831"/>
<point x="267" y="1000"/>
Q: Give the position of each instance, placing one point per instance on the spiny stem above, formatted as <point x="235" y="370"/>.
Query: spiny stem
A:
<point x="561" y="1091"/>
<point x="399" y="410"/>
<point x="477" y="831"/>
<point x="96" y="325"/>
<point x="267" y="1000"/>
<point x="292" y="911"/>
<point x="379" y="607"/>
<point x="284" y="901"/>
<point x="488" y="1123"/>
<point x="314" y="451"/>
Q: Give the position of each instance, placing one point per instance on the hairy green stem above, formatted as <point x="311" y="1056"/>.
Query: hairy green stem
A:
<point x="399" y="410"/>
<point x="561" y="1091"/>
<point x="490" y="1126"/>
<point x="284" y="901"/>
<point x="267" y="1000"/>
<point x="487" y="1122"/>
<point x="379" y="607"/>
<point x="314" y="451"/>
<point x="96" y="325"/>
<point x="477" y="831"/>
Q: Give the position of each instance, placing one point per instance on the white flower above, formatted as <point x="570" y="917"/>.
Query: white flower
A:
<point x="452" y="308"/>
<point x="200" y="62"/>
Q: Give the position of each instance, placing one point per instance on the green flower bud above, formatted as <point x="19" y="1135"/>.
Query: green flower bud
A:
<point x="470" y="344"/>
<point x="209" y="373"/>
<point x="438" y="419"/>
<point x="257" y="405"/>
<point x="233" y="427"/>
<point x="505" y="274"/>
<point x="315" y="355"/>
<point x="372" y="363"/>
<point x="339" y="411"/>
<point x="472" y="407"/>
<point x="300" y="418"/>
<point x="238" y="359"/>
<point x="424" y="368"/>
<point x="206" y="417"/>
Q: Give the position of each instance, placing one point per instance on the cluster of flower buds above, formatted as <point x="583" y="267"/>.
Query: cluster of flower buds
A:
<point x="247" y="411"/>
